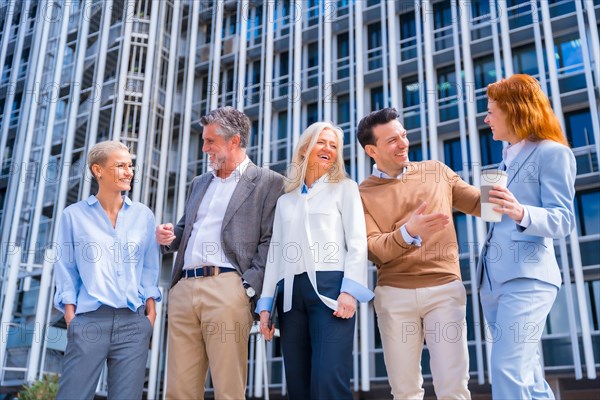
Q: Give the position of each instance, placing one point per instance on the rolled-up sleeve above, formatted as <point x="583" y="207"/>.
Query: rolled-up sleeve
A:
<point x="66" y="274"/>
<point x="151" y="267"/>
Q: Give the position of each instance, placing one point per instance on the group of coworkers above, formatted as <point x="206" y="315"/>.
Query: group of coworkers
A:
<point x="248" y="232"/>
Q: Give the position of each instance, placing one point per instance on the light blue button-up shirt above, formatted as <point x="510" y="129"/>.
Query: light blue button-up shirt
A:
<point x="97" y="264"/>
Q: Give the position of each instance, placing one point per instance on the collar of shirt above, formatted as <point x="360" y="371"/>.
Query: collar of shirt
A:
<point x="237" y="172"/>
<point x="304" y="189"/>
<point x="93" y="200"/>
<point x="511" y="151"/>
<point x="381" y="174"/>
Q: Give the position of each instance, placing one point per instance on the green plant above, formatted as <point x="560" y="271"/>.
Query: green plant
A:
<point x="46" y="389"/>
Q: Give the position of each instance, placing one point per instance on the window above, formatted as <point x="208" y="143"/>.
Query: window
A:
<point x="525" y="60"/>
<point x="587" y="212"/>
<point x="408" y="33"/>
<point x="569" y="61"/>
<point x="313" y="64"/>
<point x="408" y="26"/>
<point x="374" y="52"/>
<point x="447" y="90"/>
<point x="415" y="153"/>
<point x="343" y="116"/>
<point x="485" y="71"/>
<point x="442" y="14"/>
<point x="579" y="128"/>
<point x="411" y="98"/>
<point x="377" y="98"/>
<point x="343" y="54"/>
<point x="491" y="150"/>
<point x="452" y="154"/>
<point x="312" y="113"/>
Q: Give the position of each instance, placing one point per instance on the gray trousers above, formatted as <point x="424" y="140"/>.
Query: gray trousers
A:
<point x="118" y="336"/>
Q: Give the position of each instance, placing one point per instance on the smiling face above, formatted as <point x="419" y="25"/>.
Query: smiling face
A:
<point x="323" y="154"/>
<point x="116" y="173"/>
<point x="390" y="150"/>
<point x="496" y="119"/>
<point x="220" y="151"/>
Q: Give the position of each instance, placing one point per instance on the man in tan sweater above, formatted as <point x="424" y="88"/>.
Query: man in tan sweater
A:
<point x="411" y="238"/>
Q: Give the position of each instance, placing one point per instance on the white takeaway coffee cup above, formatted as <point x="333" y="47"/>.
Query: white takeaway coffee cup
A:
<point x="489" y="178"/>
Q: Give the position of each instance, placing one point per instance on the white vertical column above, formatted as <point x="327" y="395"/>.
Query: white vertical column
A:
<point x="539" y="48"/>
<point x="586" y="337"/>
<point x="327" y="75"/>
<point x="128" y="16"/>
<point x="591" y="90"/>
<point x="469" y="99"/>
<point x="504" y="32"/>
<point x="384" y="55"/>
<point x="10" y="290"/>
<point x="594" y="41"/>
<point x="431" y="79"/>
<point x="268" y="84"/>
<point x="40" y="320"/>
<point x="243" y="44"/>
<point x="552" y="70"/>
<point x="166" y="123"/>
<point x="155" y="350"/>
<point x="296" y="89"/>
<point x="393" y="46"/>
<point x="187" y="112"/>
<point x="421" y="75"/>
<point x="495" y="39"/>
<point x="27" y="120"/>
<point x="360" y="83"/>
<point x="216" y="55"/>
<point x="73" y="111"/>
<point x="12" y="81"/>
<point x="568" y="288"/>
<point x="143" y="133"/>
<point x="53" y="95"/>
<point x="97" y="90"/>
<point x="5" y="34"/>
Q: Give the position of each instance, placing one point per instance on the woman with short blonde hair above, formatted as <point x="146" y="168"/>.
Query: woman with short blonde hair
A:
<point x="106" y="282"/>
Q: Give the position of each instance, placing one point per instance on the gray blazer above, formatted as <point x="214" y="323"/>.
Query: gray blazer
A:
<point x="247" y="225"/>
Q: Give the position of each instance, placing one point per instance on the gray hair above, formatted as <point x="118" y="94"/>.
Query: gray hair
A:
<point x="230" y="122"/>
<point x="99" y="152"/>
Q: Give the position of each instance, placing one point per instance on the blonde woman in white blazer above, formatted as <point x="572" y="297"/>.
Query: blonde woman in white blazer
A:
<point x="318" y="252"/>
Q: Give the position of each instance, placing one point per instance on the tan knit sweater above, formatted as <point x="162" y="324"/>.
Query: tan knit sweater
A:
<point x="389" y="203"/>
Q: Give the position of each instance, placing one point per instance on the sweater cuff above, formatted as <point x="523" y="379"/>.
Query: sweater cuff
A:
<point x="356" y="290"/>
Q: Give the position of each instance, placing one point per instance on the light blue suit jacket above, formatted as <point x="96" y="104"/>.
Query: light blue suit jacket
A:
<point x="542" y="179"/>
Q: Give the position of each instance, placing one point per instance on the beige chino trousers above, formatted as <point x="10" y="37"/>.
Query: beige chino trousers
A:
<point x="209" y="325"/>
<point x="436" y="314"/>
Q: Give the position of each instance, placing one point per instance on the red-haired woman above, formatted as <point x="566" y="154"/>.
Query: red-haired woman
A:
<point x="519" y="275"/>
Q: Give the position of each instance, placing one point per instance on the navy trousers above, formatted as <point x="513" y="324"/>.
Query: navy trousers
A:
<point x="316" y="346"/>
<point x="118" y="336"/>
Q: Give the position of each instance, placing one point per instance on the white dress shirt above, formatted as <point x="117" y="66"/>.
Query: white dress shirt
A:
<point x="205" y="247"/>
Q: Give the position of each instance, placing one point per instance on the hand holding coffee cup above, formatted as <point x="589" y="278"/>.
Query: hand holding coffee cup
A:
<point x="489" y="179"/>
<point x="498" y="199"/>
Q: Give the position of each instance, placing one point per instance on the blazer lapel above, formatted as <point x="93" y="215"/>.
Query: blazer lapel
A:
<point x="243" y="189"/>
<point x="520" y="160"/>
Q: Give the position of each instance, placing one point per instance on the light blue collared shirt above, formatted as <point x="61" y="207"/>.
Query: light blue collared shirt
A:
<point x="415" y="241"/>
<point x="97" y="264"/>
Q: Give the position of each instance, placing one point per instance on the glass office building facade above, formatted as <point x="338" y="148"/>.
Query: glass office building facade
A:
<point x="75" y="72"/>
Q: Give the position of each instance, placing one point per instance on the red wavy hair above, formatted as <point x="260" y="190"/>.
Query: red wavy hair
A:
<point x="527" y="108"/>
